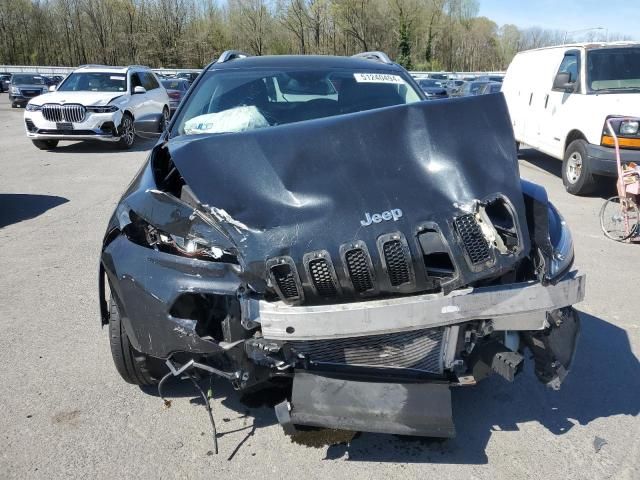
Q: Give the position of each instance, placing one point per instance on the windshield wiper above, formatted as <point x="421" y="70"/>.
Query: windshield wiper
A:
<point x="617" y="89"/>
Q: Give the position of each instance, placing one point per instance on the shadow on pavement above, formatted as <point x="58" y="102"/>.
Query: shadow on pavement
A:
<point x="538" y="159"/>
<point x="606" y="186"/>
<point x="604" y="381"/>
<point x="16" y="207"/>
<point x="141" y="145"/>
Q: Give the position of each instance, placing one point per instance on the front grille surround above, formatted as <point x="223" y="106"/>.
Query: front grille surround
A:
<point x="396" y="261"/>
<point x="284" y="278"/>
<point x="358" y="268"/>
<point x="321" y="274"/>
<point x="30" y="92"/>
<point x="418" y="350"/>
<point x="474" y="244"/>
<point x="71" y="112"/>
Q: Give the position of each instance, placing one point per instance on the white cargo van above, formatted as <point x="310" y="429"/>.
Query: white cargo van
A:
<point x="559" y="99"/>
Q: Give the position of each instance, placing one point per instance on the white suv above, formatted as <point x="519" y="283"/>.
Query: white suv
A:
<point x="95" y="103"/>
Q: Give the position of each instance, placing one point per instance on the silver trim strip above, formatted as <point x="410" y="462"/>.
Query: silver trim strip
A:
<point x="509" y="303"/>
<point x="55" y="136"/>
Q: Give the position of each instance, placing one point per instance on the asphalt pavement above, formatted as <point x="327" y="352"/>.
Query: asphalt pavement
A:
<point x="65" y="412"/>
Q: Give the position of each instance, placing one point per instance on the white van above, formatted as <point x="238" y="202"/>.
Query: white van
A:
<point x="559" y="99"/>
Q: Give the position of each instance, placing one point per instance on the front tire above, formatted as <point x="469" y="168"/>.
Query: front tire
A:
<point x="127" y="132"/>
<point x="576" y="170"/>
<point x="45" y="144"/>
<point x="134" y="367"/>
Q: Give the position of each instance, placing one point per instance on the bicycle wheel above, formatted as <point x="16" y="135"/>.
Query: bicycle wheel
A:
<point x="619" y="218"/>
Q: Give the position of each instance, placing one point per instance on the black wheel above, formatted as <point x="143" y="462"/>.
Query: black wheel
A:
<point x="45" y="144"/>
<point x="619" y="218"/>
<point x="576" y="171"/>
<point x="13" y="105"/>
<point x="134" y="367"/>
<point x="127" y="132"/>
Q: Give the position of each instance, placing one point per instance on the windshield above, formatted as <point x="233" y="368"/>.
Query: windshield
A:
<point x="94" y="82"/>
<point x="613" y="69"/>
<point x="173" y="84"/>
<point x="25" y="79"/>
<point x="234" y="101"/>
<point x="474" y="87"/>
<point x="430" y="84"/>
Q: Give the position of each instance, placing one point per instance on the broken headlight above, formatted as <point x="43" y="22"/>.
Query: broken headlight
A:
<point x="190" y="247"/>
<point x="562" y="243"/>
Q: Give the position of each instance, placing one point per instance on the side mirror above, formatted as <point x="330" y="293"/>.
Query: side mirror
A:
<point x="150" y="126"/>
<point x="561" y="82"/>
<point x="139" y="89"/>
<point x="52" y="88"/>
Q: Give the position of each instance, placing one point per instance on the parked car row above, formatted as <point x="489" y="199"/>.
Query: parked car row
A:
<point x="435" y="89"/>
<point x="188" y="76"/>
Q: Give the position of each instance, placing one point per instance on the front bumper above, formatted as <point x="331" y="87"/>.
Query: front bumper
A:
<point x="517" y="307"/>
<point x="96" y="126"/>
<point x="602" y="160"/>
<point x="146" y="283"/>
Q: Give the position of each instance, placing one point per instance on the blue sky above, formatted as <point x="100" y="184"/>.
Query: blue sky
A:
<point x="615" y="15"/>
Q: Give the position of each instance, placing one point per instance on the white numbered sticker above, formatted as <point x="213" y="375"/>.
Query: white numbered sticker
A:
<point x="378" y="78"/>
<point x="116" y="78"/>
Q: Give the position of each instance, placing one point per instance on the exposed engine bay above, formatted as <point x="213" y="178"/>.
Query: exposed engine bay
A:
<point x="368" y="261"/>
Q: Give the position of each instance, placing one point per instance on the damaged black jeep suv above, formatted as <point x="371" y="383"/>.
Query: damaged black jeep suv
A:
<point x="312" y="222"/>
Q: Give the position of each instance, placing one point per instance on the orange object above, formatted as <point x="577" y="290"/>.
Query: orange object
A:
<point x="607" y="141"/>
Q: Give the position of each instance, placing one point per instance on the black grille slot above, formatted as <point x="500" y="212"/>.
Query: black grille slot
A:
<point x="358" y="268"/>
<point x="30" y="126"/>
<point x="30" y="93"/>
<point x="436" y="256"/>
<point x="474" y="242"/>
<point x="322" y="278"/>
<point x="396" y="260"/>
<point x="417" y="350"/>
<point x="285" y="280"/>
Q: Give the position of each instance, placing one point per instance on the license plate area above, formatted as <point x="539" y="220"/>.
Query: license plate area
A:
<point x="64" y="126"/>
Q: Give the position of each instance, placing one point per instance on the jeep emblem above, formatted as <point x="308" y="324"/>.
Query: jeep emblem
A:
<point x="394" y="215"/>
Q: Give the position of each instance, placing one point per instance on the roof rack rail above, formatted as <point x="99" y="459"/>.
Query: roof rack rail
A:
<point x="375" y="56"/>
<point x="91" y="65"/>
<point x="229" y="55"/>
<point x="137" y="66"/>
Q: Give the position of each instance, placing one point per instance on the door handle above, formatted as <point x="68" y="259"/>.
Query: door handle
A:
<point x="546" y="100"/>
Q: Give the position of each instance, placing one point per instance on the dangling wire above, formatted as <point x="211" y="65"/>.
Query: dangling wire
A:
<point x="209" y="410"/>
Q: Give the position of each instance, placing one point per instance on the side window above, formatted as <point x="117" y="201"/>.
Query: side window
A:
<point x="149" y="81"/>
<point x="570" y="65"/>
<point x="135" y="81"/>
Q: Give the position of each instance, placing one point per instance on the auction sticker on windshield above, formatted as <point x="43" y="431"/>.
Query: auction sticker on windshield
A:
<point x="378" y="78"/>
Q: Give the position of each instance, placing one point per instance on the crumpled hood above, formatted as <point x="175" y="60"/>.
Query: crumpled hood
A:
<point x="83" y="98"/>
<point x="309" y="186"/>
